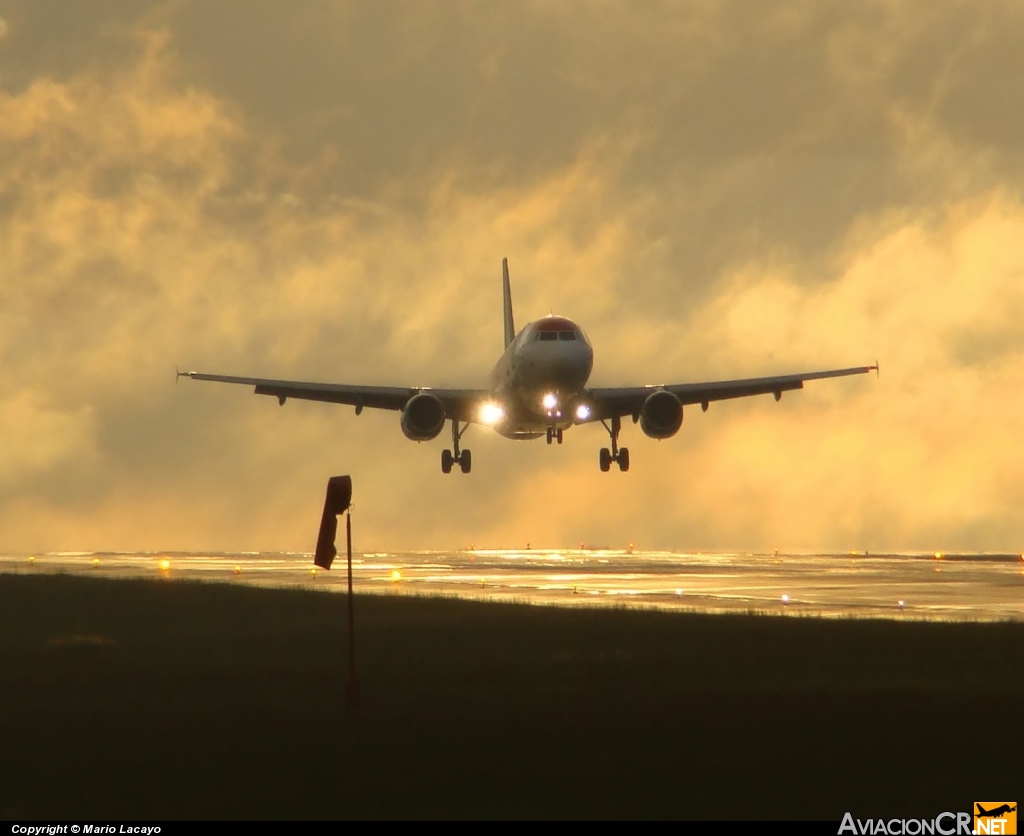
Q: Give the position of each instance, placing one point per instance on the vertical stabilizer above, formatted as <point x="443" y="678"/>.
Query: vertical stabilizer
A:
<point x="510" y="326"/>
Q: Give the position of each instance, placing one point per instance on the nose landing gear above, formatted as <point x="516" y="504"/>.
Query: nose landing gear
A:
<point x="615" y="454"/>
<point x="554" y="435"/>
<point x="464" y="459"/>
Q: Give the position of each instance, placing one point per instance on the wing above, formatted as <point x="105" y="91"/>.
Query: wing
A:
<point x="461" y="404"/>
<point x="617" y="402"/>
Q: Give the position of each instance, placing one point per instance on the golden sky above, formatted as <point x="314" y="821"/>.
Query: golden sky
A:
<point x="325" y="191"/>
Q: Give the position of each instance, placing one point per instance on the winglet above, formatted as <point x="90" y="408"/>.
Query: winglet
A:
<point x="878" y="369"/>
<point x="510" y="327"/>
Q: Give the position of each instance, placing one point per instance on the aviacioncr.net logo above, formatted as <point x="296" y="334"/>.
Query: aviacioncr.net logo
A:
<point x="944" y="824"/>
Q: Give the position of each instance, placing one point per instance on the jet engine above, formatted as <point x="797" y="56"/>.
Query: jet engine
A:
<point x="661" y="416"/>
<point x="423" y="417"/>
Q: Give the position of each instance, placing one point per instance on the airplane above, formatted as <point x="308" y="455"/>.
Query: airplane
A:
<point x="537" y="388"/>
<point x="998" y="812"/>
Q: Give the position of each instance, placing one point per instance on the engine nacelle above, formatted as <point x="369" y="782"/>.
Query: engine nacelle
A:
<point x="423" y="417"/>
<point x="661" y="416"/>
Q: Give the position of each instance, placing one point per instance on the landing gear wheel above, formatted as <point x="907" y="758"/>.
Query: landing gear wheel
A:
<point x="462" y="458"/>
<point x="551" y="434"/>
<point x="558" y="435"/>
<point x="616" y="454"/>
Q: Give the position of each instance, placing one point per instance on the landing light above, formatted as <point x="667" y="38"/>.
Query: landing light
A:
<point x="550" y="401"/>
<point x="582" y="412"/>
<point x="491" y="413"/>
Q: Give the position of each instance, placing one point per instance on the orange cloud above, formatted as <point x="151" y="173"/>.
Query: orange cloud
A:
<point x="725" y="213"/>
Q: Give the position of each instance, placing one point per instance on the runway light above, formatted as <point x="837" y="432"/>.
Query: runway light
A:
<point x="938" y="555"/>
<point x="31" y="558"/>
<point x="901" y="603"/>
<point x="549" y="400"/>
<point x="396" y="576"/>
<point x="491" y="413"/>
<point x="238" y="569"/>
<point x="313" y="571"/>
<point x="679" y="593"/>
<point x="785" y="598"/>
<point x="95" y="561"/>
<point x="165" y="565"/>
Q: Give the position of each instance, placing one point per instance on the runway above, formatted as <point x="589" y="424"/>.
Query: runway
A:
<point x="943" y="587"/>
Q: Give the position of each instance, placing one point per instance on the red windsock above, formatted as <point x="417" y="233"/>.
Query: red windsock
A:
<point x="339" y="497"/>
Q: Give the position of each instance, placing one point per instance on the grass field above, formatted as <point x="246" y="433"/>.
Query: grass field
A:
<point x="172" y="700"/>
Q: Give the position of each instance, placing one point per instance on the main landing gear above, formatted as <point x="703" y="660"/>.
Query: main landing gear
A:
<point x="554" y="435"/>
<point x="615" y="454"/>
<point x="463" y="459"/>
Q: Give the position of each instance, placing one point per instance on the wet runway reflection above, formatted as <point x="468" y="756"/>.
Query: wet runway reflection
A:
<point x="957" y="587"/>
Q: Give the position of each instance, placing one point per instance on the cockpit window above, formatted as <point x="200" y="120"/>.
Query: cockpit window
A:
<point x="557" y="329"/>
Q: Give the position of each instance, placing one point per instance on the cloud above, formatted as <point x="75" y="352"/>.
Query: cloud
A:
<point x="716" y="191"/>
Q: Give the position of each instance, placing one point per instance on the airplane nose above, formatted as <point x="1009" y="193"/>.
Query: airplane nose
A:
<point x="571" y="368"/>
<point x="561" y="366"/>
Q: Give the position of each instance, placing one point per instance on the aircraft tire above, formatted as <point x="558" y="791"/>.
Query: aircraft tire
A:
<point x="446" y="461"/>
<point x="558" y="435"/>
<point x="624" y="459"/>
<point x="466" y="461"/>
<point x="606" y="459"/>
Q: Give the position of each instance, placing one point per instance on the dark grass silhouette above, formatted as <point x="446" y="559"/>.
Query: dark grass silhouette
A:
<point x="171" y="700"/>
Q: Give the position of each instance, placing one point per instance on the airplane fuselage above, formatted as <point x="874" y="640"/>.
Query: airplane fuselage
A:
<point x="539" y="382"/>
